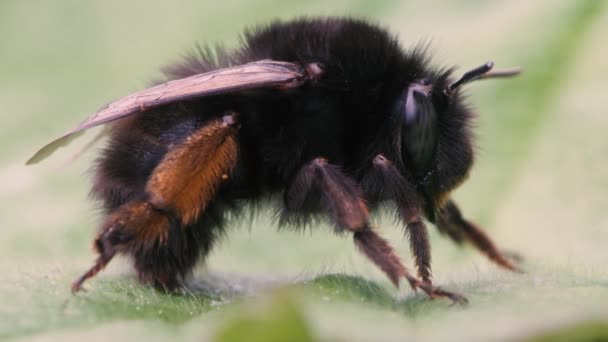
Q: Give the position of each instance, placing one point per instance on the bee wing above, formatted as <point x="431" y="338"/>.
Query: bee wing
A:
<point x="255" y="75"/>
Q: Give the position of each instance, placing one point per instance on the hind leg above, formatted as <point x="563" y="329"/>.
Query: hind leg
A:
<point x="167" y="263"/>
<point x="163" y="251"/>
<point x="166" y="231"/>
<point x="135" y="228"/>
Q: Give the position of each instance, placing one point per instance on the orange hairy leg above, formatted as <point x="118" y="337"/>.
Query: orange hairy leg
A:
<point x="190" y="174"/>
<point x="177" y="192"/>
<point x="130" y="220"/>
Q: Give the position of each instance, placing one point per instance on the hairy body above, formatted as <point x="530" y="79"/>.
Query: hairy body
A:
<point x="335" y="147"/>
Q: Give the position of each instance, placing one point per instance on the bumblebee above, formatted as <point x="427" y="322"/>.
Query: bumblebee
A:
<point x="330" y="115"/>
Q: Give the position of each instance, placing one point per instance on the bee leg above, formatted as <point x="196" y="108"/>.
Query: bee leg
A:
<point x="166" y="231"/>
<point x="184" y="185"/>
<point x="378" y="250"/>
<point x="133" y="226"/>
<point x="332" y="191"/>
<point x="452" y="222"/>
<point x="105" y="255"/>
<point x="320" y="186"/>
<point x="385" y="182"/>
<point x="420" y="247"/>
<point x="389" y="184"/>
<point x="190" y="174"/>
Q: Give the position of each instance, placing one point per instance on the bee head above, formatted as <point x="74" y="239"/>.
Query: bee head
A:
<point x="422" y="108"/>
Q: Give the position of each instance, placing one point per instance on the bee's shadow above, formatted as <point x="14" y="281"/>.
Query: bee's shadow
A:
<point x="325" y="287"/>
<point x="229" y="286"/>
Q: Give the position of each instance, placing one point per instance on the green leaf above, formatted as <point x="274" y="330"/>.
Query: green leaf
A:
<point x="275" y="318"/>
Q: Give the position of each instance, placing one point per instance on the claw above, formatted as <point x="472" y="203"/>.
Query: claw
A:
<point x="514" y="256"/>
<point x="77" y="286"/>
<point x="100" y="263"/>
<point x="436" y="292"/>
<point x="413" y="282"/>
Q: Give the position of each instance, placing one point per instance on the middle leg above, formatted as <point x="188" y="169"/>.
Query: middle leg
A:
<point x="322" y="186"/>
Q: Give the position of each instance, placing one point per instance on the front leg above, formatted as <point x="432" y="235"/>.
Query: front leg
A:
<point x="387" y="183"/>
<point x="451" y="222"/>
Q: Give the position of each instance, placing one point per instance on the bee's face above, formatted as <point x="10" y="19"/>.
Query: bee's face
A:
<point x="434" y="124"/>
<point x="426" y="102"/>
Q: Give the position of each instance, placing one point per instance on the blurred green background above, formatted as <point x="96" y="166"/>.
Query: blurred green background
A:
<point x="539" y="186"/>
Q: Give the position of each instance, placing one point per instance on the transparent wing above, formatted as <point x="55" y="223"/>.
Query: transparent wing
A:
<point x="255" y="75"/>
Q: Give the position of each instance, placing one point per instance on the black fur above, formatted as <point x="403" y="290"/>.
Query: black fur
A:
<point x="348" y="117"/>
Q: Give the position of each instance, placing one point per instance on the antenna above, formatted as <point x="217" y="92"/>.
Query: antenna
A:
<point x="482" y="72"/>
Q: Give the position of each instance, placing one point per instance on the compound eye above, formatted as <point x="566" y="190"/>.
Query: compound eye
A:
<point x="418" y="97"/>
<point x="420" y="126"/>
